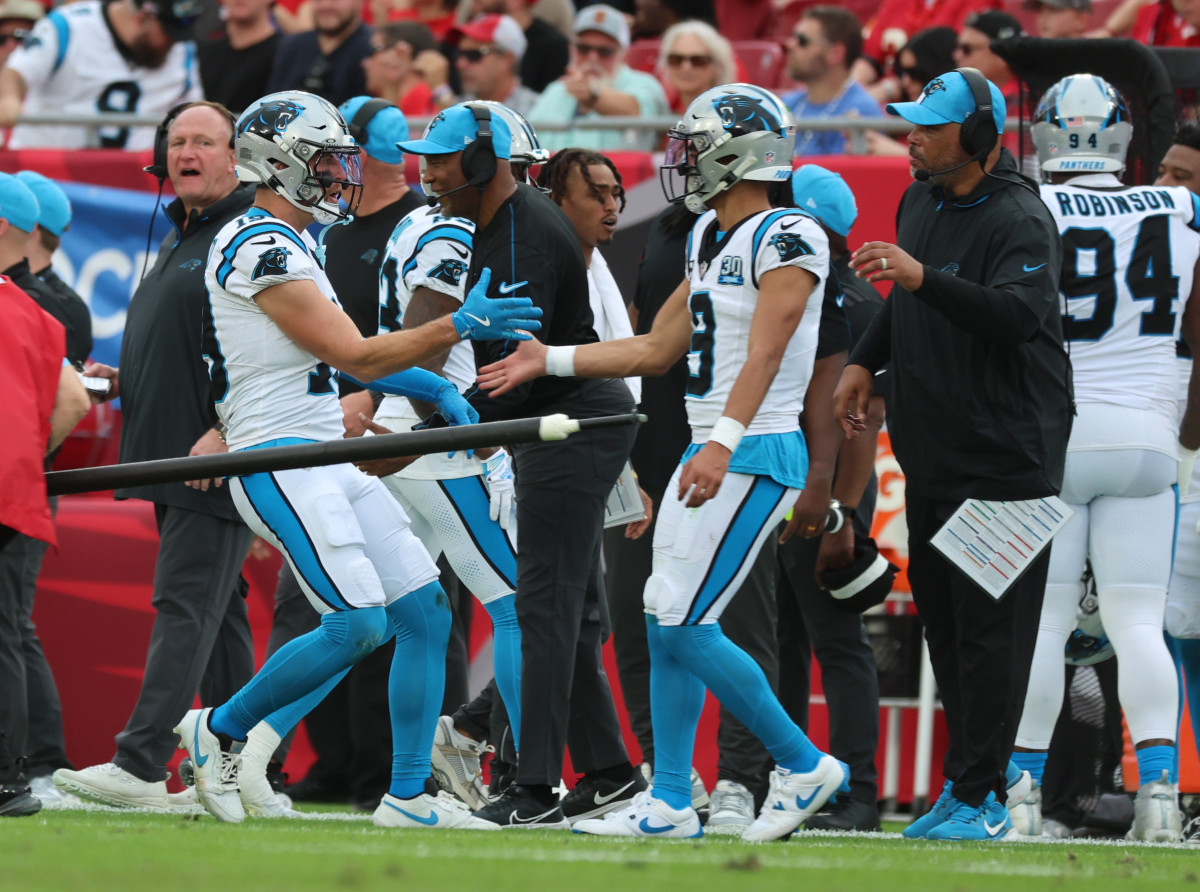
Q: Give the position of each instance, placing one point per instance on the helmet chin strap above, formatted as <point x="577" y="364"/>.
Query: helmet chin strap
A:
<point x="732" y="176"/>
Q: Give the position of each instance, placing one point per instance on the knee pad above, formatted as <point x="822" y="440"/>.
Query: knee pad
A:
<point x="357" y="631"/>
<point x="424" y="611"/>
<point x="686" y="642"/>
<point x="655" y="594"/>
<point x="338" y="527"/>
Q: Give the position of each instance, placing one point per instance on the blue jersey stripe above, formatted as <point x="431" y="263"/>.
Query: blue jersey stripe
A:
<point x="264" y="228"/>
<point x="762" y="231"/>
<point x="472" y="503"/>
<point x="59" y="21"/>
<point x="441" y="231"/>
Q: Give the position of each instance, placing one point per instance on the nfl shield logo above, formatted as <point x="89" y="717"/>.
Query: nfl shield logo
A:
<point x="768" y="157"/>
<point x="703" y="268"/>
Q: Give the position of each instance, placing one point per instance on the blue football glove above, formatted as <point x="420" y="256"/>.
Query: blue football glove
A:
<point x="482" y="318"/>
<point x="451" y="406"/>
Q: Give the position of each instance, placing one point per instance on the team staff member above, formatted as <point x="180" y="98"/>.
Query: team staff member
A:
<point x="980" y="407"/>
<point x="200" y="617"/>
<point x="532" y="249"/>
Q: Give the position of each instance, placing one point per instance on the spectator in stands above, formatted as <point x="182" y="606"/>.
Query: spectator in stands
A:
<point x="391" y="69"/>
<point x="693" y="58"/>
<point x="653" y="18"/>
<point x="437" y="15"/>
<point x="125" y="57"/>
<point x="17" y="18"/>
<point x="825" y="45"/>
<point x="293" y="16"/>
<point x="599" y="83"/>
<point x="33" y="347"/>
<point x="1061" y="18"/>
<point x="974" y="48"/>
<point x="235" y="66"/>
<point x="1165" y="23"/>
<point x="200" y="620"/>
<point x="920" y="61"/>
<point x="490" y="50"/>
<point x="1181" y="165"/>
<point x="547" y="50"/>
<point x="328" y="60"/>
<point x="898" y="22"/>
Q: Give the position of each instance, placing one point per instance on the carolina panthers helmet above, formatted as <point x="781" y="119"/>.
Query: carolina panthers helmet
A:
<point x="298" y="146"/>
<point x="526" y="148"/>
<point x="729" y="133"/>
<point x="1082" y="126"/>
<point x="1088" y="644"/>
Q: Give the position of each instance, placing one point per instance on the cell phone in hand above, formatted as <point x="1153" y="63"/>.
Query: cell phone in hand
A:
<point x="99" y="387"/>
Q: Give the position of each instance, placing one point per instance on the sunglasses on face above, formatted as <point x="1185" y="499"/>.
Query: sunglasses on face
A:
<point x="915" y="74"/>
<point x="17" y="37"/>
<point x="803" y="39"/>
<point x="966" y="49"/>
<point x="589" y="49"/>
<point x="473" y="56"/>
<point x="674" y="60"/>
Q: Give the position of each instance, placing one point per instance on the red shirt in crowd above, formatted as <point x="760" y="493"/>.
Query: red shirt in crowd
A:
<point x="899" y="21"/>
<point x="440" y="26"/>
<point x="1159" y="25"/>
<point x="32" y="347"/>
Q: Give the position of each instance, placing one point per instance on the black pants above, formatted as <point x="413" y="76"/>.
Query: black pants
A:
<point x="200" y="638"/>
<point x="561" y="492"/>
<point x="808" y="624"/>
<point x="981" y="651"/>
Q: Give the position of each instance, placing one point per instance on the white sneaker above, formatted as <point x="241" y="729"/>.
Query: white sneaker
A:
<point x="699" y="792"/>
<point x="793" y="798"/>
<point x="111" y="785"/>
<point x="51" y="796"/>
<point x="427" y="812"/>
<point x="732" y="809"/>
<point x="646" y="816"/>
<point x="215" y="770"/>
<point x="1024" y="802"/>
<point x="258" y="796"/>
<point x="1156" y="815"/>
<point x="455" y="759"/>
<point x="1052" y="829"/>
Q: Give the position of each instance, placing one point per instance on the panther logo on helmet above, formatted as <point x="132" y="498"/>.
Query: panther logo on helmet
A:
<point x="744" y="114"/>
<point x="271" y="263"/>
<point x="272" y="118"/>
<point x="790" y="245"/>
<point x="448" y="271"/>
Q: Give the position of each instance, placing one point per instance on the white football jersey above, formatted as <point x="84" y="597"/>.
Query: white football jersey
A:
<point x="71" y="65"/>
<point x="266" y="386"/>
<point x="427" y="249"/>
<point x="1128" y="258"/>
<point x="723" y="275"/>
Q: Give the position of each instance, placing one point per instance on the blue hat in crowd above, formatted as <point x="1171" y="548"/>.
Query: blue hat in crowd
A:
<point x="387" y="127"/>
<point x="454" y="129"/>
<point x="948" y="99"/>
<point x="54" y="213"/>
<point x="18" y="204"/>
<point x="825" y="195"/>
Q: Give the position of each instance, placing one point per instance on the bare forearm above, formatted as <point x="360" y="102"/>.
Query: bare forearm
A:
<point x="856" y="458"/>
<point x="385" y="354"/>
<point x="821" y="431"/>
<point x="12" y="97"/>
<point x="70" y="405"/>
<point x="614" y="102"/>
<point x="621" y="358"/>
<point x="1189" y="426"/>
<point x="752" y="384"/>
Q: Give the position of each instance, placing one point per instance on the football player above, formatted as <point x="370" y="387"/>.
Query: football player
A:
<point x="744" y="318"/>
<point x="1129" y="253"/>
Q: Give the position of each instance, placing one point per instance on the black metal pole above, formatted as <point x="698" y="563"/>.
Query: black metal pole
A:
<point x="312" y="455"/>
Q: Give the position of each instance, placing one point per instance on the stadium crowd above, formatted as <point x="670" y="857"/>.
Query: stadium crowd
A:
<point x="307" y="291"/>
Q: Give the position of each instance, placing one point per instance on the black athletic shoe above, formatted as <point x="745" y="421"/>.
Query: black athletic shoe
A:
<point x="518" y="810"/>
<point x="596" y="796"/>
<point x="15" y="799"/>
<point x="846" y="815"/>
<point x="309" y="790"/>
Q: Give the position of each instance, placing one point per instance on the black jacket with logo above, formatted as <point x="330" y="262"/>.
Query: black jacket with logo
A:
<point x="980" y="402"/>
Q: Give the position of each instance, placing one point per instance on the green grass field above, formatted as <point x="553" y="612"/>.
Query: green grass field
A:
<point x="81" y="851"/>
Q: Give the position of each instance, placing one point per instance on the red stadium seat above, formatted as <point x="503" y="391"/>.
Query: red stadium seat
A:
<point x="642" y="55"/>
<point x="762" y="59"/>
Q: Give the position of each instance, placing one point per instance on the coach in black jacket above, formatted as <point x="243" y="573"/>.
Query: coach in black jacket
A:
<point x="980" y="407"/>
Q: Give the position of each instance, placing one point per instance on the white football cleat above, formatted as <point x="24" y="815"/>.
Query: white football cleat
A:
<point x="455" y="760"/>
<point x="1024" y="802"/>
<point x="425" y="812"/>
<point x="794" y="797"/>
<point x="1156" y="815"/>
<point x="111" y="785"/>
<point x="258" y="796"/>
<point x="646" y="817"/>
<point x="215" y="770"/>
<point x="732" y="809"/>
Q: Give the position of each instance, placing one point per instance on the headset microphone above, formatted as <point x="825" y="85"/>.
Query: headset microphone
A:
<point x="434" y="199"/>
<point x="923" y="176"/>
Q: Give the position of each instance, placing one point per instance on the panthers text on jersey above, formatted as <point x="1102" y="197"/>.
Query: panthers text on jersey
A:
<point x="427" y="249"/>
<point x="723" y="275"/>
<point x="1128" y="258"/>
<point x="71" y="65"/>
<point x="265" y="385"/>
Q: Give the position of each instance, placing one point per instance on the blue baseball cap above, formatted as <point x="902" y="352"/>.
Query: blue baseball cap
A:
<point x="454" y="129"/>
<point x="18" y="204"/>
<point x="54" y="208"/>
<point x="948" y="99"/>
<point x="385" y="129"/>
<point x="825" y="195"/>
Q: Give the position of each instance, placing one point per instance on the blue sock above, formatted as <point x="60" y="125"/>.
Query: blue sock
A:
<point x="284" y="719"/>
<point x="506" y="659"/>
<point x="300" y="667"/>
<point x="421" y="623"/>
<point x="739" y="683"/>
<point x="1034" y="763"/>
<point x="1012" y="773"/>
<point x="1153" y="761"/>
<point x="676" y="701"/>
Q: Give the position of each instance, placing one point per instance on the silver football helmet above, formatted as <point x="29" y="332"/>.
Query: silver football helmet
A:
<point x="1088" y="644"/>
<point x="729" y="133"/>
<point x="1082" y="126"/>
<point x="298" y="146"/>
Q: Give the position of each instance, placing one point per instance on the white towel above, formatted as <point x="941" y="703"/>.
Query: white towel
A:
<point x="609" y="311"/>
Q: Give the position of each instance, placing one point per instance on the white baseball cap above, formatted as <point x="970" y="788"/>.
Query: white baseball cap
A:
<point x="606" y="20"/>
